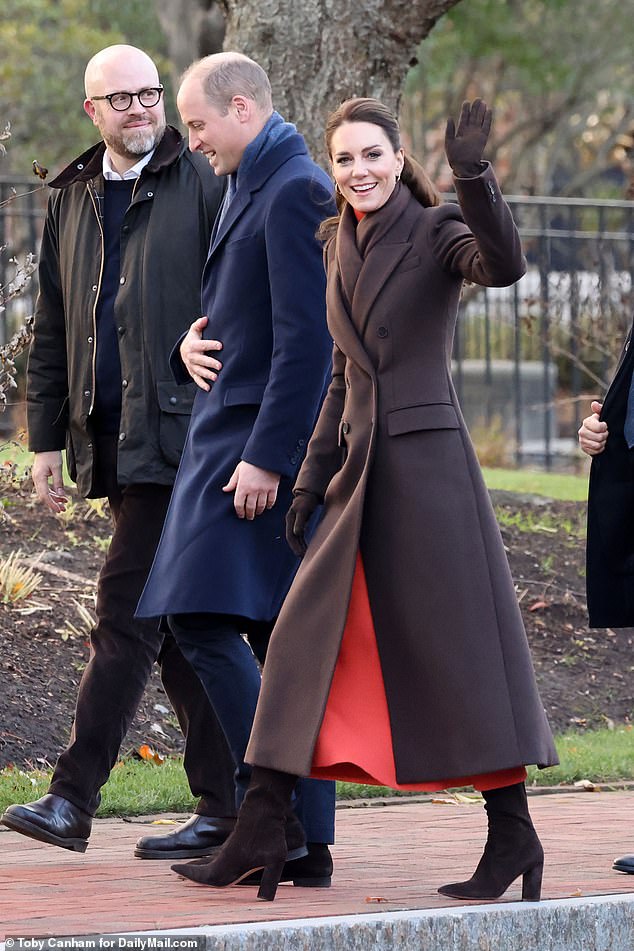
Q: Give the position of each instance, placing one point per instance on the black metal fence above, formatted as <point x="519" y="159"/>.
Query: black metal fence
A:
<point x="527" y="359"/>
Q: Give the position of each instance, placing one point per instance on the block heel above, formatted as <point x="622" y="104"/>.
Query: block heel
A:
<point x="532" y="883"/>
<point x="270" y="880"/>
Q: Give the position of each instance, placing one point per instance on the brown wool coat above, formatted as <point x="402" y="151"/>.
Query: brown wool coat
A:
<point x="392" y="456"/>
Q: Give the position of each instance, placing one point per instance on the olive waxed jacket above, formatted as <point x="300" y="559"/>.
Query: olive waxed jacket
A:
<point x="164" y="243"/>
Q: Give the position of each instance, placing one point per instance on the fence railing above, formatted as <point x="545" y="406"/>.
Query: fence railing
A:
<point x="527" y="359"/>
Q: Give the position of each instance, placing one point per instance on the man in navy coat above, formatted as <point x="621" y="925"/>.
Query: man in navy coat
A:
<point x="607" y="435"/>
<point x="261" y="357"/>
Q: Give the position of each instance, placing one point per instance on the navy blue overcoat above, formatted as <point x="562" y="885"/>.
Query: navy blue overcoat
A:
<point x="264" y="294"/>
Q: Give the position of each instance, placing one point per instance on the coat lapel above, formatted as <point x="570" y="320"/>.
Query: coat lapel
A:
<point x="369" y="254"/>
<point x="256" y="178"/>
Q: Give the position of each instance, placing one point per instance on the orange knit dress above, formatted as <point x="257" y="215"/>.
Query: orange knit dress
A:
<point x="355" y="739"/>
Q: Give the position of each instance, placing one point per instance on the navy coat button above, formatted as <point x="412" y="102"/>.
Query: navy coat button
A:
<point x="173" y="401"/>
<point x="382" y="332"/>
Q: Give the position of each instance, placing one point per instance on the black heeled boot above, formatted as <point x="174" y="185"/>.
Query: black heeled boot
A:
<point x="258" y="842"/>
<point x="512" y="849"/>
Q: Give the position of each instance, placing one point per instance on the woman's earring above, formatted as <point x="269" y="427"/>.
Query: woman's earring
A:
<point x="337" y="189"/>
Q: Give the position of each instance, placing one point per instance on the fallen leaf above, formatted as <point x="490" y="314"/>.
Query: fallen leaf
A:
<point x="538" y="605"/>
<point x="457" y="799"/>
<point x="147" y="753"/>
<point x="587" y="786"/>
<point x="370" y="899"/>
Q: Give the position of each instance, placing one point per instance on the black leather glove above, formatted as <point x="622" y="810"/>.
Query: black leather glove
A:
<point x="464" y="147"/>
<point x="302" y="507"/>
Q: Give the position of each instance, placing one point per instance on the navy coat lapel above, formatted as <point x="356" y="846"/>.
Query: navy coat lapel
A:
<point x="256" y="177"/>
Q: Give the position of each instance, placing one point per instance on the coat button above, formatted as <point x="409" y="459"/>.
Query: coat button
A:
<point x="124" y="383"/>
<point x="89" y="339"/>
<point x="173" y="401"/>
<point x="345" y="428"/>
<point x="382" y="332"/>
<point x="121" y="437"/>
<point x="122" y="280"/>
<point x="121" y="331"/>
<point x="86" y="392"/>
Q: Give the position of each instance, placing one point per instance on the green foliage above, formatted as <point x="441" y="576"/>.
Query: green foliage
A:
<point x="44" y="48"/>
<point x="524" y="37"/>
<point x="560" y="79"/>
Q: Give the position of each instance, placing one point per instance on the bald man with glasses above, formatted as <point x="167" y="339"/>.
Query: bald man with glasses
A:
<point x="125" y="241"/>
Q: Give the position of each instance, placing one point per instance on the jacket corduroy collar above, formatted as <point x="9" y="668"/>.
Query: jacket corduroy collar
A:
<point x="90" y="163"/>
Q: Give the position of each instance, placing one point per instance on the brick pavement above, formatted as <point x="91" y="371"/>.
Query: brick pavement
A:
<point x="388" y="857"/>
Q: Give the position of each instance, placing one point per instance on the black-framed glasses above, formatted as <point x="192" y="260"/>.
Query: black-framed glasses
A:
<point x="121" y="101"/>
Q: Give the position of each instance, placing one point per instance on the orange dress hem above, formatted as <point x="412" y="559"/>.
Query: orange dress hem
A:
<point x="355" y="740"/>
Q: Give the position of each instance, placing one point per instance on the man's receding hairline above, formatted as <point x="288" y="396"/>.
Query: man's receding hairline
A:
<point x="105" y="56"/>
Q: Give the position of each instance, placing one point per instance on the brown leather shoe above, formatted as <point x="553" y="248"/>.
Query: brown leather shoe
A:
<point x="199" y="836"/>
<point x="53" y="820"/>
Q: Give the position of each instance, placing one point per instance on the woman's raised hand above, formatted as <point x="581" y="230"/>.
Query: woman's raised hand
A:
<point x="464" y="146"/>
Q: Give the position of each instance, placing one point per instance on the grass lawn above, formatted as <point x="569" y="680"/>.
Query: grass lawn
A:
<point x="136" y="788"/>
<point x="555" y="485"/>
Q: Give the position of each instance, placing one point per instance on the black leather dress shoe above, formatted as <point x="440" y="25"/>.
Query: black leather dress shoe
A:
<point x="53" y="820"/>
<point x="198" y="836"/>
<point x="624" y="864"/>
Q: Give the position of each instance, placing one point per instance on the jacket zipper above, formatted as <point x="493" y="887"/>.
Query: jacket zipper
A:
<point x="96" y="203"/>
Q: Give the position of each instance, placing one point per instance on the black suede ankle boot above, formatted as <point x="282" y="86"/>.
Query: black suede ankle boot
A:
<point x="258" y="841"/>
<point x="512" y="849"/>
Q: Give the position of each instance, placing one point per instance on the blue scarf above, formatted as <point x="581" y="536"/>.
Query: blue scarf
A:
<point x="274" y="131"/>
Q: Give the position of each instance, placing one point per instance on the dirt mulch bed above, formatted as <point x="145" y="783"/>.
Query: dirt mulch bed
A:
<point x="584" y="675"/>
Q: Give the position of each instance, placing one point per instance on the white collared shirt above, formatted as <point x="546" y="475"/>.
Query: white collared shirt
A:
<point x="112" y="175"/>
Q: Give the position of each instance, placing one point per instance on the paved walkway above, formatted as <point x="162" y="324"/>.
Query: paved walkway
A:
<point x="388" y="858"/>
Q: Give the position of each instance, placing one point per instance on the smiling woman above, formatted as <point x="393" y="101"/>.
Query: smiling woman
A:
<point x="365" y="165"/>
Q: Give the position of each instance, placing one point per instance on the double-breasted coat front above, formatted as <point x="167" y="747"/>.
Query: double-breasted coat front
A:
<point x="264" y="295"/>
<point x="392" y="458"/>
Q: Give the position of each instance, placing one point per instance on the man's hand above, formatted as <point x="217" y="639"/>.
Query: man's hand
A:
<point x="593" y="432"/>
<point x="194" y="350"/>
<point x="48" y="465"/>
<point x="255" y="489"/>
<point x="464" y="147"/>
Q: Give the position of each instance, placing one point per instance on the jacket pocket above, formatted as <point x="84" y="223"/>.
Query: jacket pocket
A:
<point x="424" y="416"/>
<point x="249" y="394"/>
<point x="175" y="405"/>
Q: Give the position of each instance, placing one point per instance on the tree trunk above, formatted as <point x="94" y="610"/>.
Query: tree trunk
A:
<point x="316" y="52"/>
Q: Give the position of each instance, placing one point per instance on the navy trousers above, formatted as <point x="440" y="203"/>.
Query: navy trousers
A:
<point x="229" y="671"/>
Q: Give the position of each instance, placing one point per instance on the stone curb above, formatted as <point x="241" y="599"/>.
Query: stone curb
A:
<point x="603" y="923"/>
